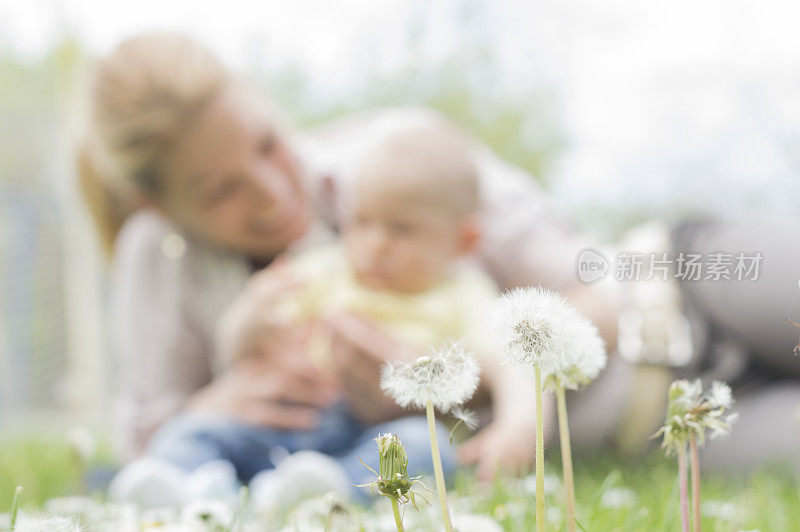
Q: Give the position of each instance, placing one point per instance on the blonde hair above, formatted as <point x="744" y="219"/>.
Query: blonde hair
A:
<point x="142" y="97"/>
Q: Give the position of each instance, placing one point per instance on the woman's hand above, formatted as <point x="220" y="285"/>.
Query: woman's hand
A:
<point x="271" y="382"/>
<point x="359" y="352"/>
<point x="283" y="391"/>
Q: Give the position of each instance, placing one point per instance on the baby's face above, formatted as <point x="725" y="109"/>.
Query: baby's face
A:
<point x="397" y="241"/>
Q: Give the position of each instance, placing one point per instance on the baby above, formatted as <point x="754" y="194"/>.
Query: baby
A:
<point x="413" y="218"/>
<point x="403" y="265"/>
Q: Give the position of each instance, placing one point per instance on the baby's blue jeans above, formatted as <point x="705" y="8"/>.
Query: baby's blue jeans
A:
<point x="191" y="439"/>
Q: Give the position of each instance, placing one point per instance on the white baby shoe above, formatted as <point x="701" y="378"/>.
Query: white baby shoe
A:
<point x="299" y="476"/>
<point x="150" y="483"/>
<point x="153" y="483"/>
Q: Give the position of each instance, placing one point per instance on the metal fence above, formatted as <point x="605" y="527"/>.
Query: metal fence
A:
<point x="33" y="354"/>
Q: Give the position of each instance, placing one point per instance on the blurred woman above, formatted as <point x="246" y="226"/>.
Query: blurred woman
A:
<point x="195" y="183"/>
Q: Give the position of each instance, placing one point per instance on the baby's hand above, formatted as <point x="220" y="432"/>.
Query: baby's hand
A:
<point x="359" y="350"/>
<point x="252" y="323"/>
<point x="500" y="447"/>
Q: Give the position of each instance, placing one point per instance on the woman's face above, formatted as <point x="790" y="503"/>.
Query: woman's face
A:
<point x="232" y="180"/>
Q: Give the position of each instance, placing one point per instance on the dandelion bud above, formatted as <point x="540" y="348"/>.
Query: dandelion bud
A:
<point x="538" y="327"/>
<point x="393" y="480"/>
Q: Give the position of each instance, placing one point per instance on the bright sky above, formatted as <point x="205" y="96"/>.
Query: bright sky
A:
<point x="684" y="101"/>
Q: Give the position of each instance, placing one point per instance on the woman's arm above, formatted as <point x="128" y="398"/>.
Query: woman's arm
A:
<point x="162" y="357"/>
<point x="164" y="313"/>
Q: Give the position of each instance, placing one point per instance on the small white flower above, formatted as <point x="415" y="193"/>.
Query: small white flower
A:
<point x="553" y="514"/>
<point x="551" y="484"/>
<point x="475" y="523"/>
<point x="723" y="510"/>
<point x="158" y="517"/>
<point x="82" y="442"/>
<point x="124" y="515"/>
<point x="328" y="513"/>
<point x="47" y="523"/>
<point x="446" y="378"/>
<point x="175" y="527"/>
<point x="618" y="498"/>
<point x="212" y="515"/>
<point x="72" y="506"/>
<point x="538" y="327"/>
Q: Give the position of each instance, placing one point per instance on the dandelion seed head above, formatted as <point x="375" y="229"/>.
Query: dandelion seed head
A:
<point x="691" y="412"/>
<point x="682" y="395"/>
<point x="446" y="378"/>
<point x="538" y="327"/>
<point x="590" y="361"/>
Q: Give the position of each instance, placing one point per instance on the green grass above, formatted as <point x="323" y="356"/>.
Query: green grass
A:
<point x="43" y="466"/>
<point x="46" y="466"/>
<point x="766" y="501"/>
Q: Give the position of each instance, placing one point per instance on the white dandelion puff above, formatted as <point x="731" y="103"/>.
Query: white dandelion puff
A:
<point x="538" y="327"/>
<point x="720" y="395"/>
<point x="685" y="392"/>
<point x="446" y="378"/>
<point x="443" y="380"/>
<point x="590" y="361"/>
<point x="690" y="411"/>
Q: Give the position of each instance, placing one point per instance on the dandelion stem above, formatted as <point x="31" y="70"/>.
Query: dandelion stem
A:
<point x="566" y="456"/>
<point x="238" y="520"/>
<point x="694" y="458"/>
<point x="396" y="510"/>
<point x="15" y="508"/>
<point x="682" y="481"/>
<point x="437" y="467"/>
<point x="537" y="384"/>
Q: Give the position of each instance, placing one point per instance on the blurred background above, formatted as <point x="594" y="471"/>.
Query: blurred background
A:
<point x="624" y="110"/>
